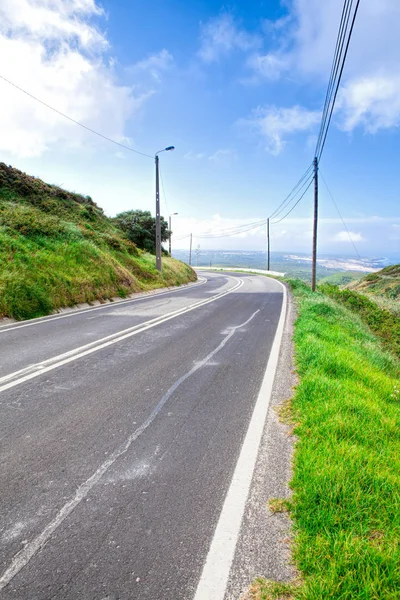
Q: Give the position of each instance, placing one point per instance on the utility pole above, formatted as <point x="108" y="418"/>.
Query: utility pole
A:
<point x="268" y="246"/>
<point x="169" y="241"/>
<point x="158" y="223"/>
<point x="314" y="244"/>
<point x="190" y="251"/>
<point x="158" y="216"/>
<point x="170" y="232"/>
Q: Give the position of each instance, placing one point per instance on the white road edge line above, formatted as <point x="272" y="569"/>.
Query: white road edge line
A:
<point x="48" y="318"/>
<point x="72" y="355"/>
<point x="215" y="575"/>
<point x="22" y="558"/>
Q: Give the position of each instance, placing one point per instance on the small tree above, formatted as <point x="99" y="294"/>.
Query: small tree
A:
<point x="140" y="228"/>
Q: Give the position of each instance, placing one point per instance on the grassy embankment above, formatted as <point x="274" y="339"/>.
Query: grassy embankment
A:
<point x="58" y="249"/>
<point x="382" y="287"/>
<point x="345" y="414"/>
<point x="342" y="278"/>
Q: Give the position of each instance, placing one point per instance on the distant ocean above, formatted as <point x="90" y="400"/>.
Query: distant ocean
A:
<point x="294" y="264"/>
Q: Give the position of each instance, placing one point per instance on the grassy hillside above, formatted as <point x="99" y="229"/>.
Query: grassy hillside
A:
<point x="382" y="322"/>
<point x="345" y="414"/>
<point x="382" y="287"/>
<point x="58" y="249"/>
<point x="342" y="278"/>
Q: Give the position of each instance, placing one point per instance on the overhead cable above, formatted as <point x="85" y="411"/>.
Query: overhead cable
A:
<point x="294" y="206"/>
<point x="227" y="229"/>
<point x="219" y="235"/>
<point x="334" y="69"/>
<point x="232" y="230"/>
<point x="163" y="190"/>
<point x="340" y="215"/>
<point x="73" y="120"/>
<point x="343" y="41"/>
<point x="181" y="237"/>
<point x="288" y="198"/>
<point x="294" y="198"/>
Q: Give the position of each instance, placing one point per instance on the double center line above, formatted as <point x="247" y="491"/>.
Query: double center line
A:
<point x="18" y="377"/>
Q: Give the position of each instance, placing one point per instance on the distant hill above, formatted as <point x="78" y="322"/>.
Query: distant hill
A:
<point x="383" y="287"/>
<point x="57" y="249"/>
<point x="341" y="278"/>
<point x="383" y="283"/>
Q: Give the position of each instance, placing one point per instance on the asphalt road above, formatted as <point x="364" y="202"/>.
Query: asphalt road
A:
<point x="120" y="430"/>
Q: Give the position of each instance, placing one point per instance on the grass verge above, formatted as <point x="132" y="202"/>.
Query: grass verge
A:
<point x="58" y="249"/>
<point x="346" y="483"/>
<point x="382" y="322"/>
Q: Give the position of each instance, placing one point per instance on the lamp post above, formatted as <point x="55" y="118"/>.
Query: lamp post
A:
<point x="158" y="223"/>
<point x="170" y="232"/>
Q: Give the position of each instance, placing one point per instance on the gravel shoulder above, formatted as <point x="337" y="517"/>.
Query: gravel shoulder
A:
<point x="263" y="548"/>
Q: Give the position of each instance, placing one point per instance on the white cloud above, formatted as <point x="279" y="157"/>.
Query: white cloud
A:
<point x="302" y="43"/>
<point x="194" y="155"/>
<point x="275" y="124"/>
<point x="214" y="226"/>
<point x="223" y="157"/>
<point x="54" y="20"/>
<point x="374" y="41"/>
<point x="373" y="102"/>
<point x="270" y="65"/>
<point x="371" y="83"/>
<point x="348" y="236"/>
<point x="54" y="50"/>
<point x="155" y="64"/>
<point x="221" y="36"/>
<point x="294" y="234"/>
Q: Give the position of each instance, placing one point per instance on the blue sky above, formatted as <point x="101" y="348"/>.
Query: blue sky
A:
<point x="237" y="88"/>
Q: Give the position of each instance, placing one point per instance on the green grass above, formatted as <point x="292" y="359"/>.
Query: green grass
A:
<point x="341" y="278"/>
<point x="381" y="321"/>
<point x="58" y="249"/>
<point x="382" y="288"/>
<point x="392" y="306"/>
<point x="346" y="483"/>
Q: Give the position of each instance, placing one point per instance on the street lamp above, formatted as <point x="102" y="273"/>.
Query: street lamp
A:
<point x="170" y="232"/>
<point x="158" y="223"/>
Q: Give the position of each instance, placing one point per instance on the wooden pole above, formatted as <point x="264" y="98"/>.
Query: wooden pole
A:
<point x="314" y="244"/>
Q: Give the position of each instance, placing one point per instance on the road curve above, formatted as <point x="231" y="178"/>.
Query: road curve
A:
<point x="120" y="429"/>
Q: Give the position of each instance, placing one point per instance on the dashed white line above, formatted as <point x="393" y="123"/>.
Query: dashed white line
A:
<point x="23" y="557"/>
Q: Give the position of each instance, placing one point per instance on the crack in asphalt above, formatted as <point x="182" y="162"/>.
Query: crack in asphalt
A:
<point x="24" y="556"/>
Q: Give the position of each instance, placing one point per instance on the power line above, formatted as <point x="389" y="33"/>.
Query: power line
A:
<point x="73" y="120"/>
<point x="340" y="54"/>
<point x="227" y="229"/>
<point x="181" y="237"/>
<point x="232" y="231"/>
<point x="229" y="232"/>
<point x="333" y="74"/>
<point x="288" y="198"/>
<point x="163" y="190"/>
<point x="338" y="66"/>
<point x="294" y="206"/>
<point x="305" y="180"/>
<point x="340" y="215"/>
